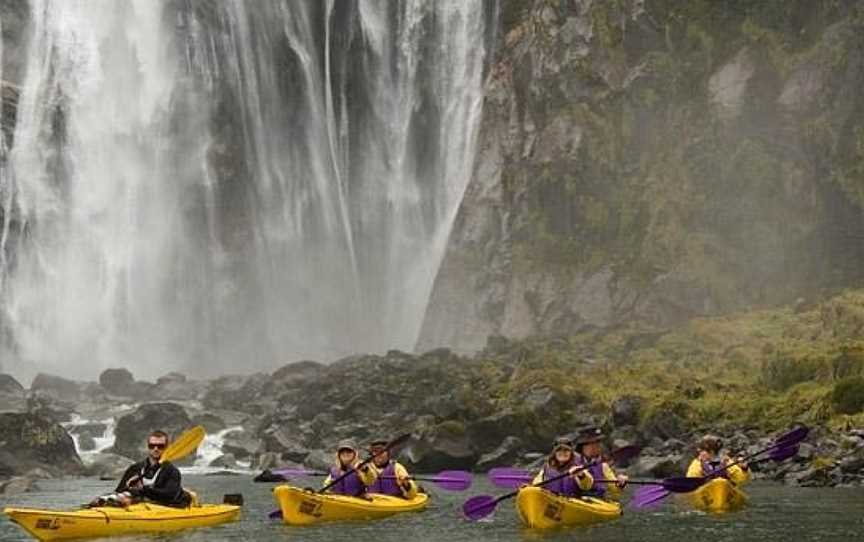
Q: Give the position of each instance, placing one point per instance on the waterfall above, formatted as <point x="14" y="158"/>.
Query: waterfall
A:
<point x="206" y="185"/>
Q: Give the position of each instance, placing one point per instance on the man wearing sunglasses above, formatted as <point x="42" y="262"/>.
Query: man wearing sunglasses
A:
<point x="151" y="479"/>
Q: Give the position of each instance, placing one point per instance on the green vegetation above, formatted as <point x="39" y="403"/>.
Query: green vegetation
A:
<point x="848" y="395"/>
<point x="760" y="369"/>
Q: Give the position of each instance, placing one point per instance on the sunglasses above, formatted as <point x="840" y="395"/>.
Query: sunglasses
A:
<point x="154" y="445"/>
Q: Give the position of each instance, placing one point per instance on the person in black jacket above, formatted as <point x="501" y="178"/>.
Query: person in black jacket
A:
<point x="151" y="479"/>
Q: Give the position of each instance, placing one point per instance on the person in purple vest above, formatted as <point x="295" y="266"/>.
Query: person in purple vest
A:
<point x="710" y="462"/>
<point x="589" y="446"/>
<point x="357" y="483"/>
<point x="563" y="459"/>
<point x="393" y="478"/>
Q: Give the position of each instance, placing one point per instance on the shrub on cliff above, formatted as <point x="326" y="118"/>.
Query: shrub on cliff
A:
<point x="848" y="395"/>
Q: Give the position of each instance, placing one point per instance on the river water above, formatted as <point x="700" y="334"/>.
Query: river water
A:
<point x="776" y="513"/>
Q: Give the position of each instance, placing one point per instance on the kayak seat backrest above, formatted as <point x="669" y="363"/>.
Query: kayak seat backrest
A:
<point x="192" y="498"/>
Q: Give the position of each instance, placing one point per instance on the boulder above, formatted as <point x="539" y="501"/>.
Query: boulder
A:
<point x="117" y="381"/>
<point x="10" y="386"/>
<point x="297" y="371"/>
<point x="171" y="379"/>
<point x="40" y="402"/>
<point x="108" y="466"/>
<point x="211" y="422"/>
<point x="505" y="454"/>
<point x="57" y="387"/>
<point x="132" y="429"/>
<point x="17" y="485"/>
<point x="226" y="461"/>
<point x="319" y="459"/>
<point x="86" y="443"/>
<point x="265" y="461"/>
<point x="29" y="441"/>
<point x="175" y="386"/>
<point x="659" y="467"/>
<point x="446" y="446"/>
<point x="242" y="445"/>
<point x="626" y="411"/>
<point x="238" y="393"/>
<point x="93" y="429"/>
<point x="286" y="443"/>
<point x="12" y="394"/>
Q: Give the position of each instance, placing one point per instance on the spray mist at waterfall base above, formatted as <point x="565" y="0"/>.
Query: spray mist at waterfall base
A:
<point x="227" y="187"/>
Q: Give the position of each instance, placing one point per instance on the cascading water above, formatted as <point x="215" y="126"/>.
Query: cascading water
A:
<point x="206" y="185"/>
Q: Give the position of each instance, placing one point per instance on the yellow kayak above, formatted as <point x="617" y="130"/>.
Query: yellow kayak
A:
<point x="541" y="509"/>
<point x="303" y="507"/>
<point x="111" y="521"/>
<point x="718" y="495"/>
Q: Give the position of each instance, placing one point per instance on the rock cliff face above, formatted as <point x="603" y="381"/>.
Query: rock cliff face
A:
<point x="658" y="160"/>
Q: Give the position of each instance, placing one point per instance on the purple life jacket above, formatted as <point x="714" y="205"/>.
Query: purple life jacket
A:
<point x="711" y="469"/>
<point x="566" y="486"/>
<point x="595" y="467"/>
<point x="350" y="485"/>
<point x="386" y="483"/>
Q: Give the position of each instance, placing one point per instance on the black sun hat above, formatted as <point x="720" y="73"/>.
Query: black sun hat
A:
<point x="589" y="434"/>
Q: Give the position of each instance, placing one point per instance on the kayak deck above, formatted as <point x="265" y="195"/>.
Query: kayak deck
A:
<point x="541" y="509"/>
<point x="112" y="521"/>
<point x="718" y="495"/>
<point x="303" y="507"/>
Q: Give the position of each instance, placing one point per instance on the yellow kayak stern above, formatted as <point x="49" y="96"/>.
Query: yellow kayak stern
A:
<point x="303" y="507"/>
<point x="718" y="495"/>
<point x="112" y="521"/>
<point x="541" y="509"/>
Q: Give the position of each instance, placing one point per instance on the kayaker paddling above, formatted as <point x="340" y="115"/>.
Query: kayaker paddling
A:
<point x="151" y="479"/>
<point x="589" y="447"/>
<point x="355" y="484"/>
<point x="709" y="462"/>
<point x="393" y="478"/>
<point x="563" y="459"/>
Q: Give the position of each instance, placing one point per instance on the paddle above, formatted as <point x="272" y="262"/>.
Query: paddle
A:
<point x="184" y="445"/>
<point x="387" y="447"/>
<point x="651" y="495"/>
<point x="453" y="480"/>
<point x="481" y="506"/>
<point x="509" y="477"/>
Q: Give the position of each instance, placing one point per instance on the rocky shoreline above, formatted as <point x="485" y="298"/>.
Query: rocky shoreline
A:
<point x="463" y="412"/>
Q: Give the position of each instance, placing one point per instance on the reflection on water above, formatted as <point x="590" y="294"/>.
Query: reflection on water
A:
<point x="782" y="514"/>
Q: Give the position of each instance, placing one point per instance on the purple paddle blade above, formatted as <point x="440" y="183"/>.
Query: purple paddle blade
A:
<point x="275" y="514"/>
<point x="648" y="496"/>
<point x="510" y="478"/>
<point x="452" y="480"/>
<point x="793" y="437"/>
<point x="784" y="453"/>
<point x="479" y="507"/>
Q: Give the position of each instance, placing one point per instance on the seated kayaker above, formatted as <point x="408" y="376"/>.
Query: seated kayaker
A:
<point x="709" y="462"/>
<point x="393" y="478"/>
<point x="149" y="480"/>
<point x="563" y="459"/>
<point x="360" y="478"/>
<point x="588" y="445"/>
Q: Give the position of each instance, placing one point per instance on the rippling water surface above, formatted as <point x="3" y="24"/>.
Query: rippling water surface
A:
<point x="776" y="513"/>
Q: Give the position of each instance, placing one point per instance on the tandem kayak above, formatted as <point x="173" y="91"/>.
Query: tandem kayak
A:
<point x="111" y="521"/>
<point x="304" y="507"/>
<point x="541" y="509"/>
<point x="718" y="495"/>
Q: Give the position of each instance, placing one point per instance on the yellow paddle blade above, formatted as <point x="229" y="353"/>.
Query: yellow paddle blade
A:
<point x="184" y="445"/>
